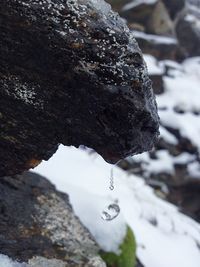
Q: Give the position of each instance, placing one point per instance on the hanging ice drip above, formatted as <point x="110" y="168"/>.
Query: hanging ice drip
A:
<point x="113" y="210"/>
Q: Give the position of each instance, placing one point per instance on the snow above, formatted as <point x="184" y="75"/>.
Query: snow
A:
<point x="5" y="261"/>
<point x="155" y="38"/>
<point x="194" y="169"/>
<point x="166" y="135"/>
<point x="188" y="124"/>
<point x="194" y="20"/>
<point x="182" y="93"/>
<point x="164" y="162"/>
<point x="178" y="109"/>
<point x="153" y="67"/>
<point x="135" y="3"/>
<point x="165" y="237"/>
<point x="182" y="87"/>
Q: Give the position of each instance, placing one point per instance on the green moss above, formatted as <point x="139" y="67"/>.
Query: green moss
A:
<point x="127" y="257"/>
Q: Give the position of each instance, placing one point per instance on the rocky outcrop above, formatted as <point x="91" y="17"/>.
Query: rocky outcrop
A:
<point x="72" y="74"/>
<point x="38" y="226"/>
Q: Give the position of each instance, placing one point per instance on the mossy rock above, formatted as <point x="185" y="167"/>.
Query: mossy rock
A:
<point x="127" y="257"/>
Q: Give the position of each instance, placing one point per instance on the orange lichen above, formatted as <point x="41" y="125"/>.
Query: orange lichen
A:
<point x="33" y="163"/>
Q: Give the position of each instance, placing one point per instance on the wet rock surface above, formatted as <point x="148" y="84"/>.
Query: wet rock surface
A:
<point x="72" y="73"/>
<point x="38" y="226"/>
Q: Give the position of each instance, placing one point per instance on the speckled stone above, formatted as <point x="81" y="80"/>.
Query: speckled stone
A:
<point x="71" y="72"/>
<point x="38" y="226"/>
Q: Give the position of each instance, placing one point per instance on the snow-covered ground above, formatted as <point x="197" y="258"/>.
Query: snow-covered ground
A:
<point x="5" y="261"/>
<point x="182" y="93"/>
<point x="165" y="237"/>
<point x="179" y="109"/>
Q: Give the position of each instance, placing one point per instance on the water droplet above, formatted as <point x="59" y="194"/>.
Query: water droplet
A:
<point x="111" y="212"/>
<point x="111" y="187"/>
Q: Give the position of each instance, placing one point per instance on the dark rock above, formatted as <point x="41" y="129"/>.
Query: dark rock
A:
<point x="187" y="197"/>
<point x="174" y="7"/>
<point x="160" y="22"/>
<point x="117" y="4"/>
<point x="158" y="84"/>
<point x="153" y="16"/>
<point x="159" y="47"/>
<point x="139" y="13"/>
<point x="70" y="73"/>
<point x="38" y="226"/>
<point x="139" y="264"/>
<point x="188" y="33"/>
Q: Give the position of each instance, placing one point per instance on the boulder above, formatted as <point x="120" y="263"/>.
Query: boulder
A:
<point x="160" y="47"/>
<point x="138" y="11"/>
<point x="158" y="83"/>
<point x="70" y="73"/>
<point x="187" y="196"/>
<point x="38" y="226"/>
<point x="174" y="7"/>
<point x="117" y="4"/>
<point x="188" y="33"/>
<point x="160" y="22"/>
<point x="153" y="15"/>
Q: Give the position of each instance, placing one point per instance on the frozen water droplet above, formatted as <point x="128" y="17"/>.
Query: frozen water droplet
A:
<point x="111" y="212"/>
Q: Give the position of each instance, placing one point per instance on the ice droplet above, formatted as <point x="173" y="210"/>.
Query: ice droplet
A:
<point x="110" y="212"/>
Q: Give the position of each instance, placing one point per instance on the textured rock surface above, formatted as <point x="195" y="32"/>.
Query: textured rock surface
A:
<point x="72" y="73"/>
<point x="37" y="225"/>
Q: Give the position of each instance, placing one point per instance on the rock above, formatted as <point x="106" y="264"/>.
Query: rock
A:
<point x="117" y="4"/>
<point x="158" y="84"/>
<point x="138" y="11"/>
<point x="174" y="7"/>
<point x="139" y="264"/>
<point x="188" y="33"/>
<point x="38" y="226"/>
<point x="152" y="15"/>
<point x="160" y="22"/>
<point x="187" y="197"/>
<point x="71" y="74"/>
<point x="159" y="46"/>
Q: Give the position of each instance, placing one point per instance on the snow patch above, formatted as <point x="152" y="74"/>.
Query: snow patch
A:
<point x="155" y="38"/>
<point x="5" y="261"/>
<point x="153" y="66"/>
<point x="135" y="3"/>
<point x="163" y="234"/>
